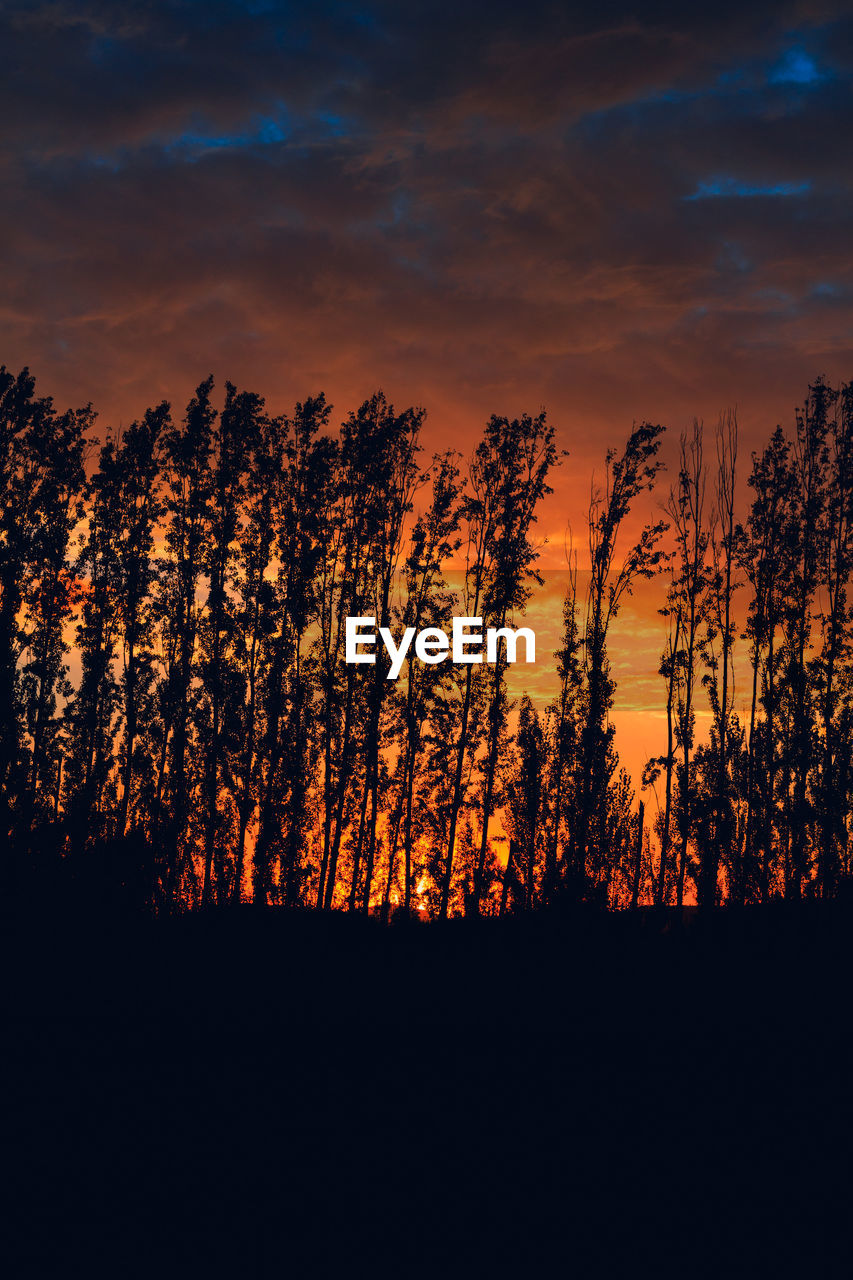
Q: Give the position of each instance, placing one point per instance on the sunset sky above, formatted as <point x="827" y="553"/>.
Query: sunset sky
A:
<point x="618" y="212"/>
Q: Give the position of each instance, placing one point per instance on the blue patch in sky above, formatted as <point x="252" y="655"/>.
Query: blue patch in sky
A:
<point x="334" y="124"/>
<point x="263" y="131"/>
<point x="270" y="131"/>
<point x="205" y="142"/>
<point x="728" y="188"/>
<point x="796" y="67"/>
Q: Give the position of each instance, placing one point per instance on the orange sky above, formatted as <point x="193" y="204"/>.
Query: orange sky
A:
<point x="637" y="640"/>
<point x="617" y="212"/>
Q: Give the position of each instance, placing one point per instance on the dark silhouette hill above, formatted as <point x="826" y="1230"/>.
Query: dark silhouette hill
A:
<point x="303" y="1093"/>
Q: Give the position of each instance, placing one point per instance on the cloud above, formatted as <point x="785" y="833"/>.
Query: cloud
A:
<point x="620" y="212"/>
<point x="617" y="213"/>
<point x="730" y="187"/>
<point x="796" y="67"/>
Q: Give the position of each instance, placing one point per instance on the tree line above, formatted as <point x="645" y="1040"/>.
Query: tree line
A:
<point x="178" y="727"/>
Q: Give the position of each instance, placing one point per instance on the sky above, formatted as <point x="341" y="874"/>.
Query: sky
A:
<point x="620" y="212"/>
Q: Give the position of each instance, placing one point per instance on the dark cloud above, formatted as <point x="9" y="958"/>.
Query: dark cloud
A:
<point x="618" y="211"/>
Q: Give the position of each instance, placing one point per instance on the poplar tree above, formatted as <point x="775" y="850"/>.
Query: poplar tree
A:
<point x="377" y="475"/>
<point x="627" y="476"/>
<point x="231" y="441"/>
<point x="427" y="603"/>
<point x="53" y="481"/>
<point x="563" y="725"/>
<point x="90" y="716"/>
<point x="718" y="648"/>
<point x="138" y="461"/>
<point x="515" y="460"/>
<point x="188" y="480"/>
<point x="764" y="556"/>
<point x="524" y="800"/>
<point x="688" y="595"/>
<point x="833" y="670"/>
<point x="304" y="492"/>
<point x="256" y="626"/>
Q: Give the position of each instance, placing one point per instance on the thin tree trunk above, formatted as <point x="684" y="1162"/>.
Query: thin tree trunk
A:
<point x="638" y="859"/>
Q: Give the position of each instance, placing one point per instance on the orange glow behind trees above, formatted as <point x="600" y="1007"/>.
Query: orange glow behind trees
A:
<point x="177" y="700"/>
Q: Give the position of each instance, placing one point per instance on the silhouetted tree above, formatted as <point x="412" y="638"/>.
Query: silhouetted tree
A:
<point x="764" y="560"/>
<point x="214" y="739"/>
<point x="515" y="459"/>
<point x="304" y="492"/>
<point x="833" y="665"/>
<point x="54" y="484"/>
<point x="232" y="435"/>
<point x="669" y="670"/>
<point x="688" y="598"/>
<point x="138" y="462"/>
<point x="563" y="727"/>
<point x="806" y="521"/>
<point x="718" y="648"/>
<point x="626" y="477"/>
<point x="427" y="603"/>
<point x="187" y="463"/>
<point x="523" y="793"/>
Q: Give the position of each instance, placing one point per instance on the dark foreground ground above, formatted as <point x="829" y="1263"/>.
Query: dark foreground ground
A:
<point x="276" y="1094"/>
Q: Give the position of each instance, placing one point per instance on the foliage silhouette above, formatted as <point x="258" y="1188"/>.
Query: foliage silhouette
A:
<point x="175" y="709"/>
